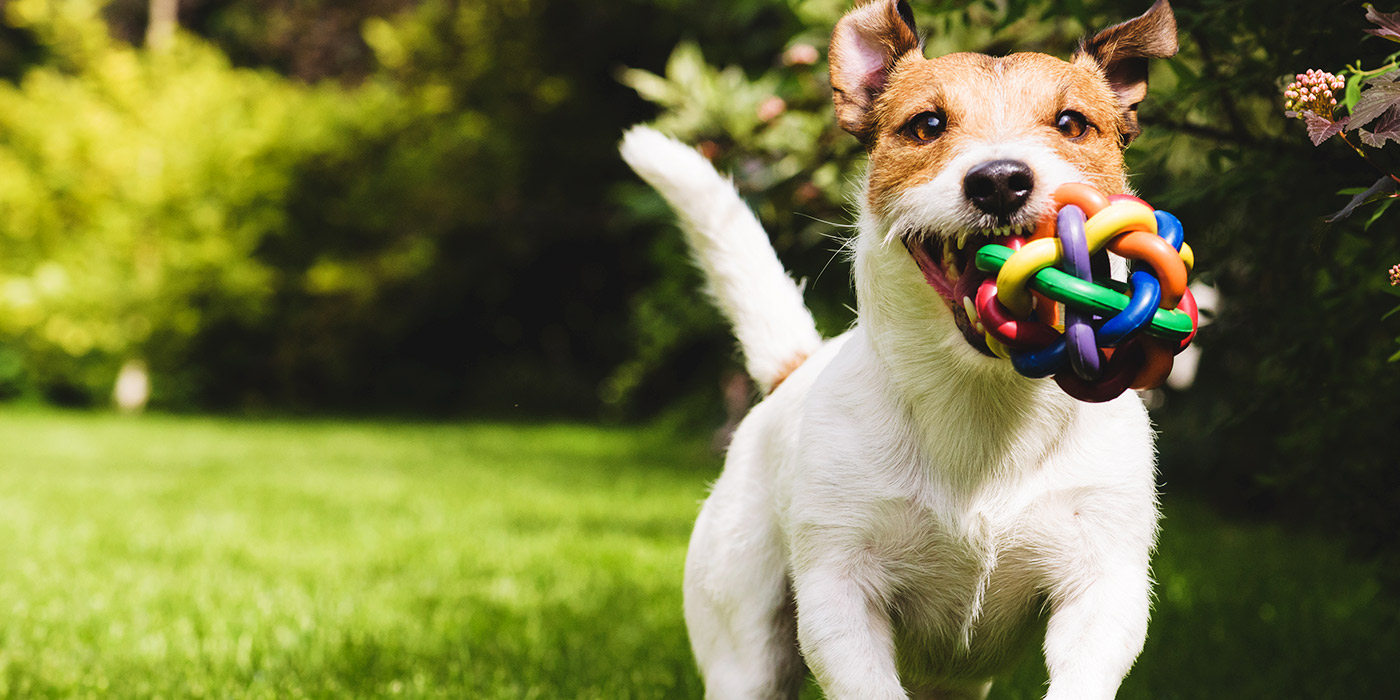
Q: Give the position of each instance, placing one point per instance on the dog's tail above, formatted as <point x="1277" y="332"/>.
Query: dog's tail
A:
<point x="744" y="276"/>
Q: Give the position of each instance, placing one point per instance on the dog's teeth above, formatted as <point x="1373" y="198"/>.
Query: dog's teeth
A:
<point x="962" y="241"/>
<point x="970" y="308"/>
<point x="977" y="326"/>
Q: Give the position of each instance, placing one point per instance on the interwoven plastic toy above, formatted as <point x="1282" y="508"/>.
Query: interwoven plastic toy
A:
<point x="1108" y="341"/>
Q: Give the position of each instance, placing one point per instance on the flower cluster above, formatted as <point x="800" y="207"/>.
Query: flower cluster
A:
<point x="1313" y="91"/>
<point x="1395" y="276"/>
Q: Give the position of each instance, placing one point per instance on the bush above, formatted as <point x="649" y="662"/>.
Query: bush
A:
<point x="1294" y="396"/>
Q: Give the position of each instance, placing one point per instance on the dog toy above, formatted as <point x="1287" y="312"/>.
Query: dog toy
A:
<point x="1107" y="341"/>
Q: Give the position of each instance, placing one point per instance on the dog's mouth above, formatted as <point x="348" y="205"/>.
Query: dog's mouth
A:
<point x="947" y="261"/>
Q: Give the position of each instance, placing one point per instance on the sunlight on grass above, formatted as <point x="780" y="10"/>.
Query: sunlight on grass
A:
<point x="186" y="557"/>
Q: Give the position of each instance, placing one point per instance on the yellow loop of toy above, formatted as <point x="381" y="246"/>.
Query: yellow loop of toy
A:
<point x="1016" y="273"/>
<point x="1188" y="256"/>
<point x="1114" y="219"/>
<point x="996" y="347"/>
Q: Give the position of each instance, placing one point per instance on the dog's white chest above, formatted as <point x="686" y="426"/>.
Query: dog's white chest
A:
<point x="964" y="597"/>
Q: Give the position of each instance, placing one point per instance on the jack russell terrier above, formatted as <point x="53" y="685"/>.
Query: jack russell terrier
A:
<point x="903" y="514"/>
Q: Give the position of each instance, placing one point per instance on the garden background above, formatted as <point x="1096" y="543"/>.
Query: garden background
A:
<point x="433" y="392"/>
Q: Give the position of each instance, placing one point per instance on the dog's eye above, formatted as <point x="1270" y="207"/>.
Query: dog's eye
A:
<point x="927" y="126"/>
<point x="1072" y="124"/>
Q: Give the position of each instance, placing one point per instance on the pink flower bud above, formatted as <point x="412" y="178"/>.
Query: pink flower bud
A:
<point x="769" y="109"/>
<point x="801" y="55"/>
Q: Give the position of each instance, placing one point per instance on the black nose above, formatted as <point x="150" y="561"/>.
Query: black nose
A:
<point x="999" y="187"/>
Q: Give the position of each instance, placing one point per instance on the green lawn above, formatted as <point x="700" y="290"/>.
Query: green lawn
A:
<point x="186" y="557"/>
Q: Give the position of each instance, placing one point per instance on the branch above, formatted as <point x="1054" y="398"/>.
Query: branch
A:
<point x="1212" y="132"/>
<point x="1227" y="101"/>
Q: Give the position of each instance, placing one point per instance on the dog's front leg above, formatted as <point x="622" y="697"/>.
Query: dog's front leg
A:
<point x="1095" y="632"/>
<point x="845" y="634"/>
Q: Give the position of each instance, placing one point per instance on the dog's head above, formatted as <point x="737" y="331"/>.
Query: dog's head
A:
<point x="966" y="148"/>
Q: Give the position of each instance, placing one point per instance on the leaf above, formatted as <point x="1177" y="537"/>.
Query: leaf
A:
<point x="1321" y="128"/>
<point x="1394" y="358"/>
<point x="1375" y="100"/>
<point x="1390" y="313"/>
<point x="1380" y="210"/>
<point x="1387" y="127"/>
<point x="1389" y="23"/>
<point x="1385" y="185"/>
<point x="1353" y="92"/>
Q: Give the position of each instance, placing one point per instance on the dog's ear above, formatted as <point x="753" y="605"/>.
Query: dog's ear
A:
<point x="864" y="48"/>
<point x="1122" y="52"/>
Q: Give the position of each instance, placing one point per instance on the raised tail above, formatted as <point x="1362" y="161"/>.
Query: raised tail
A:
<point x="745" y="278"/>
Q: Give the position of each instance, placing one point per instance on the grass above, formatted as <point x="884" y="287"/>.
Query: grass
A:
<point x="184" y="557"/>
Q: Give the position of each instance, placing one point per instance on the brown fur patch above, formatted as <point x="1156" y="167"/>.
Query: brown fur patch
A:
<point x="990" y="99"/>
<point x="787" y="371"/>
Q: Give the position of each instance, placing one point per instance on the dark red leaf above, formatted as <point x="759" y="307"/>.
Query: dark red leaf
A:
<point x="1321" y="128"/>
<point x="1389" y="23"/>
<point x="1387" y="128"/>
<point x="1375" y="100"/>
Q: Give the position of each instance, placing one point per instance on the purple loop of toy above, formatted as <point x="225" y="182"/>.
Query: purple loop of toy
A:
<point x="1070" y="228"/>
<point x="1084" y="355"/>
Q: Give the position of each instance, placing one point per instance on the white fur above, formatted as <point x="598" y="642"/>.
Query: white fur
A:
<point x="747" y="282"/>
<point x="905" y="510"/>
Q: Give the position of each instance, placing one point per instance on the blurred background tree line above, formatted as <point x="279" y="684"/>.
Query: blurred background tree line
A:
<point x="415" y="205"/>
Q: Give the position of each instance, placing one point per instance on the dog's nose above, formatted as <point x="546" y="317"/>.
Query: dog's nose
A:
<point x="999" y="187"/>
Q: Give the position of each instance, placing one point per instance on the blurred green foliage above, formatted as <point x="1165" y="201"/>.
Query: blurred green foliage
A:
<point x="1294" y="402"/>
<point x="417" y="205"/>
<point x="270" y="240"/>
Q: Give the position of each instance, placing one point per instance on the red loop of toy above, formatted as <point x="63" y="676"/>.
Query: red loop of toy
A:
<point x="1128" y="198"/>
<point x="1010" y="331"/>
<point x="1165" y="261"/>
<point x="1118" y="375"/>
<point x="1188" y="306"/>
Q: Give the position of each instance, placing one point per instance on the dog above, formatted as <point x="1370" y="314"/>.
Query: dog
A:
<point x="903" y="514"/>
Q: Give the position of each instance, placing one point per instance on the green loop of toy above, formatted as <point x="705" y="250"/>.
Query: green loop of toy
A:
<point x="1168" y="324"/>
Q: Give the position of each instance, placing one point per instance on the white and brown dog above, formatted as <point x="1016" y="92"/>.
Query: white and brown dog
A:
<point x="904" y="513"/>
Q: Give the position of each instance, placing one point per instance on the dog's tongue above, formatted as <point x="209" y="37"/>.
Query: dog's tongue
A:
<point x="963" y="282"/>
<point x="933" y="271"/>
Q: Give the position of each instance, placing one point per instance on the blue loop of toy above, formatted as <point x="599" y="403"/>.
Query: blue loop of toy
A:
<point x="1147" y="294"/>
<point x="1040" y="363"/>
<point x="1082" y="347"/>
<point x="1169" y="228"/>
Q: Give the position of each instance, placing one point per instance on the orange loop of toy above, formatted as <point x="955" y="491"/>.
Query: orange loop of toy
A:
<point x="1045" y="228"/>
<point x="1047" y="311"/>
<point x="1084" y="196"/>
<point x="1163" y="258"/>
<point x="1156" y="364"/>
